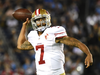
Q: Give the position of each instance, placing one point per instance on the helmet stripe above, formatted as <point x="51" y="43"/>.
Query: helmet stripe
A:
<point x="39" y="11"/>
<point x="35" y="12"/>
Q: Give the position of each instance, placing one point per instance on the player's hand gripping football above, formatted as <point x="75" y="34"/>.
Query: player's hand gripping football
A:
<point x="27" y="22"/>
<point x="88" y="60"/>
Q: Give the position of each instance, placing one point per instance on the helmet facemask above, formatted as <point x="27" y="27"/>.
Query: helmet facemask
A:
<point x="46" y="21"/>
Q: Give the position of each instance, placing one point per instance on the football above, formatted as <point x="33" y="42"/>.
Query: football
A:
<point x="22" y="14"/>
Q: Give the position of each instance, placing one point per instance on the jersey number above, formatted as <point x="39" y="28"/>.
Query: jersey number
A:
<point x="42" y="53"/>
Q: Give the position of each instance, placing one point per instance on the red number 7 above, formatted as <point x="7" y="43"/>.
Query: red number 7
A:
<point x="42" y="53"/>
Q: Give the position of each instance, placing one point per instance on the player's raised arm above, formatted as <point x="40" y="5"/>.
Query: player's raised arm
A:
<point x="22" y="42"/>
<point x="74" y="42"/>
<point x="26" y="46"/>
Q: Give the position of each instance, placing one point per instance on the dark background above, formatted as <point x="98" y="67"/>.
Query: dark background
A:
<point x="81" y="19"/>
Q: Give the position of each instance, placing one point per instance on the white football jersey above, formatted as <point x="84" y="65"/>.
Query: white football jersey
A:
<point x="49" y="55"/>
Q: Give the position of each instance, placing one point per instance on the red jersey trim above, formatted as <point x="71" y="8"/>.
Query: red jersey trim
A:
<point x="58" y="33"/>
<point x="60" y="37"/>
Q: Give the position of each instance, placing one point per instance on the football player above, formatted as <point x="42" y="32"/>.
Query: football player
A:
<point x="47" y="43"/>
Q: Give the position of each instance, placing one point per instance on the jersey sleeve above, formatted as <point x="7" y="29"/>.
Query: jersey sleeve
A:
<point x="30" y="36"/>
<point x="60" y="32"/>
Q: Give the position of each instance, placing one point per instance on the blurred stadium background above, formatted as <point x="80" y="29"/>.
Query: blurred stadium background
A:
<point x="81" y="19"/>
